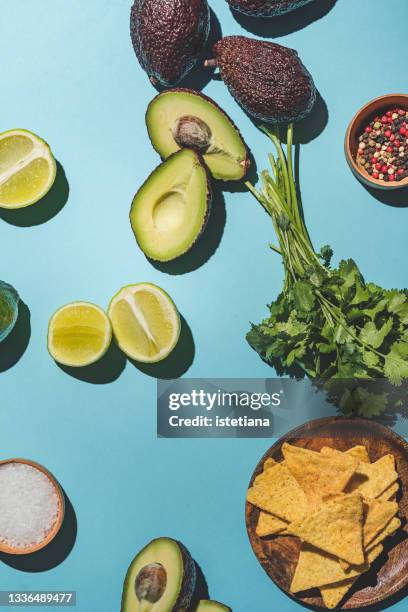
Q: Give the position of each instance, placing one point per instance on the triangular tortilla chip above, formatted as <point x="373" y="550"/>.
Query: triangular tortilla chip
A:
<point x="316" y="568"/>
<point x="268" y="465"/>
<point x="377" y="514"/>
<point x="269" y="525"/>
<point x="336" y="527"/>
<point x="391" y="528"/>
<point x="358" y="452"/>
<point x="334" y="594"/>
<point x="390" y="492"/>
<point x="372" y="479"/>
<point x="319" y="475"/>
<point x="279" y="494"/>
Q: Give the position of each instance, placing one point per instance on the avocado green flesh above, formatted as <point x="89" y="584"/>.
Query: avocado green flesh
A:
<point x="168" y="554"/>
<point x="170" y="210"/>
<point x="226" y="158"/>
<point x="211" y="606"/>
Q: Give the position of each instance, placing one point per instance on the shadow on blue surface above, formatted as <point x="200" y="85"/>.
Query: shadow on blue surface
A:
<point x="53" y="554"/>
<point x="103" y="372"/>
<point x="44" y="210"/>
<point x="178" y="362"/>
<point x="313" y="125"/>
<point x="15" y="345"/>
<point x="397" y="198"/>
<point x="273" y="27"/>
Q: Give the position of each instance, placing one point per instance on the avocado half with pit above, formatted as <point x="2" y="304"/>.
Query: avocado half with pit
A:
<point x="161" y="578"/>
<point x="170" y="210"/>
<point x="205" y="605"/>
<point x="180" y="118"/>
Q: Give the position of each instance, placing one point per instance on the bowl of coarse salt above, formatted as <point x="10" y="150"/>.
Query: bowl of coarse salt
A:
<point x="32" y="507"/>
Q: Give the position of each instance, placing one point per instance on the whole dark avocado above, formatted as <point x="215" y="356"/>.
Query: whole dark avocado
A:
<point x="168" y="36"/>
<point x="269" y="81"/>
<point x="266" y="8"/>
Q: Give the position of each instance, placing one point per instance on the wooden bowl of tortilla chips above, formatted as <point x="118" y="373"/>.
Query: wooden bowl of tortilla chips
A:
<point x="327" y="510"/>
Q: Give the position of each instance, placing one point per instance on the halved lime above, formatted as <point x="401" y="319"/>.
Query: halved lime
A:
<point x="79" y="334"/>
<point x="145" y="322"/>
<point x="27" y="169"/>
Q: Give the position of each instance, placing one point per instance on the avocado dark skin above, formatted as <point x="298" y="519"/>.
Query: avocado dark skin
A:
<point x="268" y="80"/>
<point x="266" y="8"/>
<point x="169" y="36"/>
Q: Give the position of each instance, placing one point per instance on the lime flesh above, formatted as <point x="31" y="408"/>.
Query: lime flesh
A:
<point x="145" y="322"/>
<point x="79" y="334"/>
<point x="27" y="169"/>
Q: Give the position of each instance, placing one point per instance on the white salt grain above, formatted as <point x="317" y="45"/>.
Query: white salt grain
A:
<point x="29" y="505"/>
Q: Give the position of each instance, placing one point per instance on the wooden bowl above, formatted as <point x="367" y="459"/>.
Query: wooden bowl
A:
<point x="60" y="517"/>
<point x="356" y="127"/>
<point x="279" y="555"/>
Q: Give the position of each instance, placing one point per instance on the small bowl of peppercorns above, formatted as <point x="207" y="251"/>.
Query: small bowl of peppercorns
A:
<point x="376" y="144"/>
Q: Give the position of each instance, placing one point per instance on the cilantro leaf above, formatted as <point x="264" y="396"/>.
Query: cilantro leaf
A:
<point x="396" y="363"/>
<point x="373" y="336"/>
<point x="303" y="296"/>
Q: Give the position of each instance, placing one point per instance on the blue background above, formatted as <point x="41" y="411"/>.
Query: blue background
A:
<point x="69" y="74"/>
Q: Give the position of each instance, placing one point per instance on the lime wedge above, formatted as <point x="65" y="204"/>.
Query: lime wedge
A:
<point x="27" y="169"/>
<point x="145" y="322"/>
<point x="79" y="334"/>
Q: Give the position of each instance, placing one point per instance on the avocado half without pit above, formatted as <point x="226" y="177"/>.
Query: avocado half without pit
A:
<point x="170" y="210"/>
<point x="161" y="578"/>
<point x="180" y="118"/>
<point x="211" y="606"/>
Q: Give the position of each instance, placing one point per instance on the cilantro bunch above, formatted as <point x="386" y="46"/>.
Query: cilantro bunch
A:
<point x="328" y="323"/>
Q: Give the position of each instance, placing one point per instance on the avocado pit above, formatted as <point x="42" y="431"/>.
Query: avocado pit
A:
<point x="151" y="583"/>
<point x="190" y="131"/>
